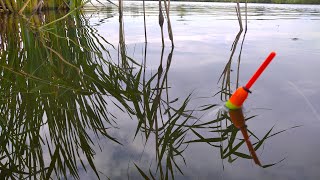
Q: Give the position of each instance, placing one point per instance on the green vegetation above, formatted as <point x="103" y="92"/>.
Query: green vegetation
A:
<point x="15" y="6"/>
<point x="53" y="90"/>
<point x="59" y="86"/>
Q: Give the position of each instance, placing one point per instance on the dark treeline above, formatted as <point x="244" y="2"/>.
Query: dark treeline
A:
<point x="263" y="1"/>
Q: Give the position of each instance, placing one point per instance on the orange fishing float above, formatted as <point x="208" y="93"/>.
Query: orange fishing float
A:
<point x="241" y="94"/>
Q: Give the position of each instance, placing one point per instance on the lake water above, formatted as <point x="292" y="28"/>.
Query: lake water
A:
<point x="285" y="96"/>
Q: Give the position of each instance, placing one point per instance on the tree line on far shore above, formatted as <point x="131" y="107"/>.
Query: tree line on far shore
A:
<point x="262" y="1"/>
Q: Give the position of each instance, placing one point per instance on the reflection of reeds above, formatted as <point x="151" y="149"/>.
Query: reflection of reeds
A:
<point x="54" y="80"/>
<point x="58" y="80"/>
<point x="55" y="86"/>
<point x="223" y="124"/>
<point x="169" y="132"/>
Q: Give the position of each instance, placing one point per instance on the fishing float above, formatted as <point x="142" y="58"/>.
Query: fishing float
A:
<point x="235" y="102"/>
<point x="241" y="94"/>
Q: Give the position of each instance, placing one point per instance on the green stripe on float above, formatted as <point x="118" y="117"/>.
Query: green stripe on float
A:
<point x="231" y="106"/>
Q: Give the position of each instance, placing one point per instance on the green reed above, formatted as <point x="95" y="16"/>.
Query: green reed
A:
<point x="54" y="80"/>
<point x="226" y="74"/>
<point x="163" y="120"/>
<point x="58" y="83"/>
<point x="19" y="6"/>
<point x="171" y="134"/>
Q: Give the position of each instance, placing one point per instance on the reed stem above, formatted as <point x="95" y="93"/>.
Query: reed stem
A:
<point x="161" y="20"/>
<point x="144" y="20"/>
<point x="8" y="5"/>
<point x="168" y="21"/>
<point x="24" y="6"/>
<point x="3" y="5"/>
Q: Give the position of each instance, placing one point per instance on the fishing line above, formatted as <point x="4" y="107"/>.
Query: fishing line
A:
<point x="314" y="111"/>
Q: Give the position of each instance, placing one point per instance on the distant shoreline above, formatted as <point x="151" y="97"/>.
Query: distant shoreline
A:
<point x="315" y="2"/>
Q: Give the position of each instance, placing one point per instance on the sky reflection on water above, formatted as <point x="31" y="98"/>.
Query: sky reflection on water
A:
<point x="286" y="95"/>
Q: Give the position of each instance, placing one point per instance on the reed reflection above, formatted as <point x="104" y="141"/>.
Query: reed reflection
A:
<point x="53" y="96"/>
<point x="58" y="82"/>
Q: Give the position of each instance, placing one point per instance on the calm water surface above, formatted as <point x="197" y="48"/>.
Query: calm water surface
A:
<point x="286" y="95"/>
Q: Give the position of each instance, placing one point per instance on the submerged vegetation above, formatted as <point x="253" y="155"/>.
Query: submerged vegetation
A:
<point x="59" y="86"/>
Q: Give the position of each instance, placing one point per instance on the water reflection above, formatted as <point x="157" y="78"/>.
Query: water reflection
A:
<point x="237" y="118"/>
<point x="54" y="89"/>
<point x="61" y="92"/>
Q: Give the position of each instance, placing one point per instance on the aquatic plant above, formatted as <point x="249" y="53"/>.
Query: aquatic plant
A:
<point x="59" y="86"/>
<point x="55" y="84"/>
<point x="53" y="96"/>
<point x="20" y="6"/>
